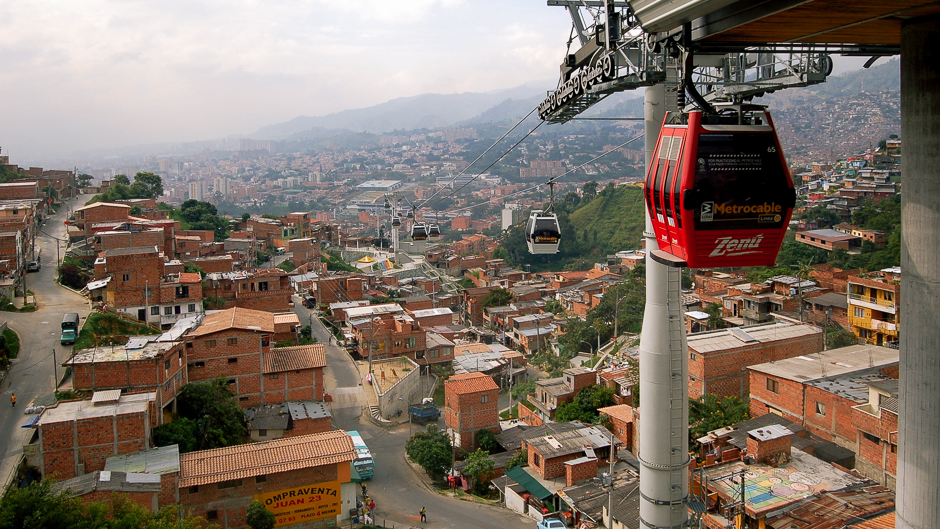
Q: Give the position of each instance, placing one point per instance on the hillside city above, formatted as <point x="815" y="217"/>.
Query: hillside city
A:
<point x="259" y="335"/>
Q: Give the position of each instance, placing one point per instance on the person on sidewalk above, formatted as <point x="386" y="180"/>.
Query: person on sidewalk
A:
<point x="13" y="399"/>
<point x="424" y="515"/>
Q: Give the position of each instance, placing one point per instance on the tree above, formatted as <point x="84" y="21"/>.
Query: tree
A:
<point x="84" y="179"/>
<point x="590" y="189"/>
<point x="486" y="440"/>
<point x="710" y="412"/>
<point x="584" y="406"/>
<point x="479" y="466"/>
<point x="215" y="419"/>
<point x="521" y="459"/>
<point x="258" y="517"/>
<point x="122" y="179"/>
<point x="497" y="298"/>
<point x="246" y="216"/>
<point x="148" y="185"/>
<point x="554" y="306"/>
<point x="466" y="282"/>
<point x="715" y="321"/>
<point x="431" y="449"/>
<point x="194" y="269"/>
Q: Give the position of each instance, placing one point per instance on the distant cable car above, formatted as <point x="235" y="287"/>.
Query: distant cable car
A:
<point x="419" y="232"/>
<point x="542" y="232"/>
<point x="434" y="231"/>
<point x="718" y="191"/>
<point x="396" y="221"/>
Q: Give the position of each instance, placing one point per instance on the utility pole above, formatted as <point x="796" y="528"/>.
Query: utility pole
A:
<point x="55" y="373"/>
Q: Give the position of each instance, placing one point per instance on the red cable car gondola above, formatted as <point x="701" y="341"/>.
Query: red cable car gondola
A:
<point x="718" y="190"/>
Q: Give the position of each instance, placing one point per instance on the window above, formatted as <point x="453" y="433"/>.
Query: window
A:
<point x="242" y="399"/>
<point x="231" y="381"/>
<point x="773" y="386"/>
<point x="194" y="489"/>
<point x="262" y="286"/>
<point x="176" y="310"/>
<point x="485" y="398"/>
<point x="261" y="479"/>
<point x="166" y="365"/>
<point x="233" y="360"/>
<point x="212" y="515"/>
<point x="210" y="343"/>
<point x="820" y="409"/>
<point x="199" y="364"/>
<point x="265" y="341"/>
<point x="192" y="307"/>
<point x="410" y="343"/>
<point x="154" y="311"/>
<point x="181" y="357"/>
<point x="536" y="460"/>
<point x="167" y="311"/>
<point x="435" y="354"/>
<point x="692" y="356"/>
<point x="419" y="354"/>
<point x="889" y="296"/>
<point x="182" y="292"/>
<point x="272" y="376"/>
<point x="232" y="341"/>
<point x="894" y="448"/>
<point x="859" y="312"/>
<point x="125" y="277"/>
<point x="262" y="432"/>
<point x="871" y="438"/>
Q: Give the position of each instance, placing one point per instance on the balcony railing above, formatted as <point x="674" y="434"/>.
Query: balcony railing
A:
<point x="872" y="300"/>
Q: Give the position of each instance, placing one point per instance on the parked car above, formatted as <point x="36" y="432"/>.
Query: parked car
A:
<point x="33" y="266"/>
<point x="310" y="302"/>
<point x="551" y="523"/>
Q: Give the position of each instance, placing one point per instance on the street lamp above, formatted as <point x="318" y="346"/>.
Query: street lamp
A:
<point x="590" y="346"/>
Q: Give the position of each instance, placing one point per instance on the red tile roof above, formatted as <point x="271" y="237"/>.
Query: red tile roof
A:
<point x="470" y="383"/>
<point x="295" y="358"/>
<point x="247" y="319"/>
<point x="621" y="411"/>
<point x="267" y="457"/>
<point x="885" y="521"/>
<point x="190" y="277"/>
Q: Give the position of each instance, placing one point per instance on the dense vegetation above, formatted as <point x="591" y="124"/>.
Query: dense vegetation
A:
<point x="101" y="328"/>
<point x="208" y="417"/>
<point x="593" y="226"/>
<point x="145" y="185"/>
<point x="431" y="449"/>
<point x="40" y="506"/>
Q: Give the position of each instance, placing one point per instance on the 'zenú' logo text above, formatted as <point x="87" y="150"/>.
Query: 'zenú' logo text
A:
<point x="731" y="246"/>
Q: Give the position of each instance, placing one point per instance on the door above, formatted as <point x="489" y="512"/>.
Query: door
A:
<point x="142" y="314"/>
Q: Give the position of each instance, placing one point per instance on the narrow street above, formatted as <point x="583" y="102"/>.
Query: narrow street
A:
<point x="398" y="493"/>
<point x="31" y="375"/>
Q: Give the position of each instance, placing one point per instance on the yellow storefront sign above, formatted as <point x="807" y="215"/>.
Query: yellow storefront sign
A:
<point x="302" y="504"/>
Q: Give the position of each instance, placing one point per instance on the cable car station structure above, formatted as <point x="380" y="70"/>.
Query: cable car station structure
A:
<point x="720" y="54"/>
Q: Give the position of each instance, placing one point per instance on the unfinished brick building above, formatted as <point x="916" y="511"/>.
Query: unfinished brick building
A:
<point x="470" y="405"/>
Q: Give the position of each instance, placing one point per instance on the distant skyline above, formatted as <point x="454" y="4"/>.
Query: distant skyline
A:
<point x="96" y="74"/>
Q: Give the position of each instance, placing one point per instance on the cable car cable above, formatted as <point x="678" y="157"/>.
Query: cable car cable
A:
<point x="508" y="132"/>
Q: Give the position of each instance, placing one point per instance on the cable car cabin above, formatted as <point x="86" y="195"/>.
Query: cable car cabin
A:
<point x="434" y="231"/>
<point x="719" y="192"/>
<point x="396" y="221"/>
<point x="419" y="232"/>
<point x="542" y="233"/>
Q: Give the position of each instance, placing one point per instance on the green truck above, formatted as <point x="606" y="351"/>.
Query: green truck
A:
<point x="69" y="328"/>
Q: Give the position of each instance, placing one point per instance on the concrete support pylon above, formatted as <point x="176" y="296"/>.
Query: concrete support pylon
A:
<point x="918" y="499"/>
<point x="664" y="421"/>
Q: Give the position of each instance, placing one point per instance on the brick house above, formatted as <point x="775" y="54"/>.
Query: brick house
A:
<point x="140" y="283"/>
<point x="388" y="335"/>
<point x="717" y="359"/>
<point x="160" y="461"/>
<point x="100" y="212"/>
<point x="76" y="437"/>
<point x="237" y="344"/>
<point x="338" y="288"/>
<point x="101" y="486"/>
<point x="553" y="392"/>
<point x="621" y="417"/>
<point x="303" y="479"/>
<point x="846" y="395"/>
<point x="471" y="404"/>
<point x="287" y="419"/>
<point x="549" y="455"/>
<point x="265" y="289"/>
<point x="130" y="238"/>
<point x="140" y="366"/>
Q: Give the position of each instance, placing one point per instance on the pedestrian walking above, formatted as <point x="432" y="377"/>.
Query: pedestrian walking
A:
<point x="13" y="399"/>
<point x="424" y="515"/>
<point x="372" y="505"/>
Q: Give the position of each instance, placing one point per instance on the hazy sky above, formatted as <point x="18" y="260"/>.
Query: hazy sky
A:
<point x="93" y="74"/>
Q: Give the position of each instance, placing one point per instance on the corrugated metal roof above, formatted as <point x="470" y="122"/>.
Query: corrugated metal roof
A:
<point x="720" y="340"/>
<point x="831" y="510"/>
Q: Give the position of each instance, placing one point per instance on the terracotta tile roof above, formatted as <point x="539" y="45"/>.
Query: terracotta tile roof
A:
<point x="295" y="358"/>
<point x="885" y="521"/>
<point x="266" y="457"/>
<point x="470" y="383"/>
<point x="252" y="320"/>
<point x="621" y="411"/>
<point x="285" y="317"/>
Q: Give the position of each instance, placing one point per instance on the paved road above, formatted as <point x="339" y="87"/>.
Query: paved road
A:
<point x="398" y="493"/>
<point x="31" y="374"/>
